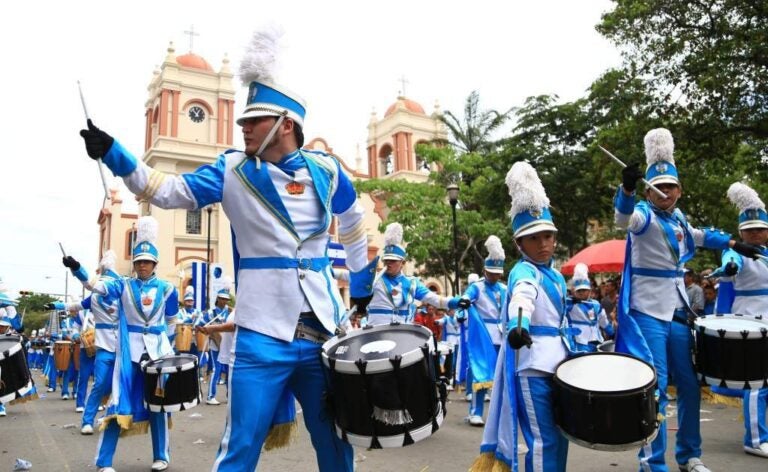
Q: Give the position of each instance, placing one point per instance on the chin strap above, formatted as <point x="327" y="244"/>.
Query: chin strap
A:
<point x="269" y="137"/>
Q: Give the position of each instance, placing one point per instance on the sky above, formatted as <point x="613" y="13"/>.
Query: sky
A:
<point x="346" y="59"/>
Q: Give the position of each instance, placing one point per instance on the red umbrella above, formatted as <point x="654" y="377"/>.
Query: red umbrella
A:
<point x="607" y="256"/>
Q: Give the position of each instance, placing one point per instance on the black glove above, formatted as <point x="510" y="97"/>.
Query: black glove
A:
<point x="747" y="250"/>
<point x="517" y="340"/>
<point x="464" y="303"/>
<point x="629" y="177"/>
<point x="97" y="142"/>
<point x="70" y="263"/>
<point x="731" y="269"/>
<point x="49" y="306"/>
<point x="461" y="319"/>
<point x="361" y="302"/>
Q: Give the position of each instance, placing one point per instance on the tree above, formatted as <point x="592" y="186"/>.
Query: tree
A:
<point x="474" y="132"/>
<point x="34" y="302"/>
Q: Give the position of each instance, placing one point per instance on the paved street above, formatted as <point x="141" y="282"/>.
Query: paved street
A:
<point x="46" y="432"/>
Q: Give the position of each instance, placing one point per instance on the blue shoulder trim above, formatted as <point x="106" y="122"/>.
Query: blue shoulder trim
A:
<point x="523" y="271"/>
<point x="207" y="182"/>
<point x="119" y="160"/>
<point x="345" y="195"/>
<point x="625" y="204"/>
<point x="716" y="239"/>
<point x="525" y="323"/>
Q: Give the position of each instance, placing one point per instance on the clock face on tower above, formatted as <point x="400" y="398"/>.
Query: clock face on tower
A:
<point x="196" y="114"/>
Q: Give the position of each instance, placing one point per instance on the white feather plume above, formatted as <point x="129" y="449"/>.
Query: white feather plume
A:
<point x="146" y="230"/>
<point x="659" y="146"/>
<point x="745" y="197"/>
<point x="495" y="249"/>
<point x="472" y="278"/>
<point x="393" y="235"/>
<point x="190" y="290"/>
<point x="525" y="189"/>
<point x="226" y="283"/>
<point x="108" y="260"/>
<point x="581" y="272"/>
<point x="259" y="62"/>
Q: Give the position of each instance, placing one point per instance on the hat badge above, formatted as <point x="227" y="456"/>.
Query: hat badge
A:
<point x="536" y="213"/>
<point x="661" y="167"/>
<point x="145" y="247"/>
<point x="753" y="214"/>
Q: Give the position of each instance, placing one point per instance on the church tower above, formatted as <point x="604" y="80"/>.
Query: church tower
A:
<point x="392" y="140"/>
<point x="189" y="122"/>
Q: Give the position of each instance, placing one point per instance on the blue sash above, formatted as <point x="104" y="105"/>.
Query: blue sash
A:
<point x="629" y="338"/>
<point x="482" y="354"/>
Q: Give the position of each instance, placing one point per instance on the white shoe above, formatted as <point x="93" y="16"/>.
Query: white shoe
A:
<point x="79" y="409"/>
<point x="476" y="420"/>
<point x="694" y="464"/>
<point x="213" y="401"/>
<point x="159" y="465"/>
<point x="3" y="413"/>
<point x="761" y="450"/>
<point x="65" y="396"/>
<point x="101" y="408"/>
<point x="86" y="430"/>
<point x="107" y="469"/>
<point x="51" y="389"/>
<point x="468" y="397"/>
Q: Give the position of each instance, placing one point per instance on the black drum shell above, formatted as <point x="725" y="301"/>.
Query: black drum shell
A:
<point x="181" y="388"/>
<point x="606" y="420"/>
<point x="732" y="360"/>
<point x="15" y="373"/>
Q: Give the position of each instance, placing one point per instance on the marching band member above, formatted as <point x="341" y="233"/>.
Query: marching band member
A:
<point x="653" y="306"/>
<point x="9" y="321"/>
<point x="189" y="316"/>
<point x="395" y="294"/>
<point x="144" y="303"/>
<point x="105" y="321"/>
<point x="280" y="201"/>
<point x="585" y="313"/>
<point x="534" y="313"/>
<point x="747" y="294"/>
<point x="216" y="315"/>
<point x="487" y="296"/>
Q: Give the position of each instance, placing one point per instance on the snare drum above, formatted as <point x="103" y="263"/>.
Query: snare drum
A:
<point x="89" y="342"/>
<point x="384" y="385"/>
<point x="171" y="383"/>
<point x="606" y="401"/>
<point x="62" y="354"/>
<point x="732" y="351"/>
<point x="15" y="378"/>
<point x="183" y="337"/>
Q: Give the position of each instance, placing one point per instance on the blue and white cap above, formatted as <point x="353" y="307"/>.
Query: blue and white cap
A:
<point x="530" y="206"/>
<point x="394" y="249"/>
<point x="751" y="208"/>
<point x="494" y="263"/>
<point x="257" y="71"/>
<point x="189" y="293"/>
<point x="5" y="300"/>
<point x="580" y="279"/>
<point x="107" y="265"/>
<point x="146" y="238"/>
<point x="659" y="149"/>
<point x="224" y="294"/>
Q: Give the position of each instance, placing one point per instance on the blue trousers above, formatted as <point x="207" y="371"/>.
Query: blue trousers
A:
<point x="67" y="376"/>
<point x="214" y="380"/>
<point x="85" y="373"/>
<point x="263" y="367"/>
<point x="547" y="447"/>
<point x="754" y="417"/>
<point x="671" y="344"/>
<point x="103" y="367"/>
<point x="478" y="397"/>
<point x="158" y="426"/>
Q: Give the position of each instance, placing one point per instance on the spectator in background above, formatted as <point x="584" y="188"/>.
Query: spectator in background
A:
<point x="425" y="316"/>
<point x="710" y="296"/>
<point x="694" y="291"/>
<point x="610" y="290"/>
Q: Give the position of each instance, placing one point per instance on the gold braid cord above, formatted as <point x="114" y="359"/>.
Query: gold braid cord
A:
<point x="353" y="235"/>
<point x="153" y="183"/>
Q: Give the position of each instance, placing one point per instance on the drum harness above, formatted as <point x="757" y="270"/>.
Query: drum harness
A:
<point x="303" y="331"/>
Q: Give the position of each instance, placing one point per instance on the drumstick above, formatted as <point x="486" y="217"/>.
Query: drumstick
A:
<point x="98" y="161"/>
<point x="63" y="252"/>
<point x="619" y="162"/>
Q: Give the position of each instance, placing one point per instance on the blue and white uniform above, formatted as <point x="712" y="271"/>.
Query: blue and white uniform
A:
<point x="218" y="316"/>
<point x="589" y="318"/>
<point x="83" y="320"/>
<point x="394" y="299"/>
<point x="143" y="306"/>
<point x="280" y="216"/>
<point x="487" y="299"/>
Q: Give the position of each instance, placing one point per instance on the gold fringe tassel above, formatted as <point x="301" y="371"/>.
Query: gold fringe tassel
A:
<point x="24" y="399"/>
<point x="281" y="435"/>
<point x="481" y="385"/>
<point x="487" y="462"/>
<point x="713" y="398"/>
<point x="127" y="426"/>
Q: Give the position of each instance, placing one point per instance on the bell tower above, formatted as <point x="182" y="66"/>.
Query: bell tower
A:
<point x="392" y="140"/>
<point x="189" y="122"/>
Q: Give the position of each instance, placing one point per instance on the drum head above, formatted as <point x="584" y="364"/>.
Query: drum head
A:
<point x="731" y="325"/>
<point x="605" y="372"/>
<point x="170" y="364"/>
<point x="376" y="345"/>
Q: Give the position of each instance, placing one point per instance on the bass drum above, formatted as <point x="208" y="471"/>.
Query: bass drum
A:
<point x="15" y="378"/>
<point x="606" y="401"/>
<point x="385" y="391"/>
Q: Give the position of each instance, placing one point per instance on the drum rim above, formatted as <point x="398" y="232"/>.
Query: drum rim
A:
<point x="611" y="447"/>
<point x="151" y="369"/>
<point x="11" y="351"/>
<point x="9" y="397"/>
<point x="700" y="328"/>
<point x="365" y="441"/>
<point x="377" y="365"/>
<point x="732" y="384"/>
<point x="652" y="384"/>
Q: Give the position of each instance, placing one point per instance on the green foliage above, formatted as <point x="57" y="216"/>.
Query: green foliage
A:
<point x="34" y="302"/>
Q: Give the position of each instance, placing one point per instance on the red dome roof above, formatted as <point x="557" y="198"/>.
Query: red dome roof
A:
<point x="193" y="61"/>
<point x="406" y="103"/>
